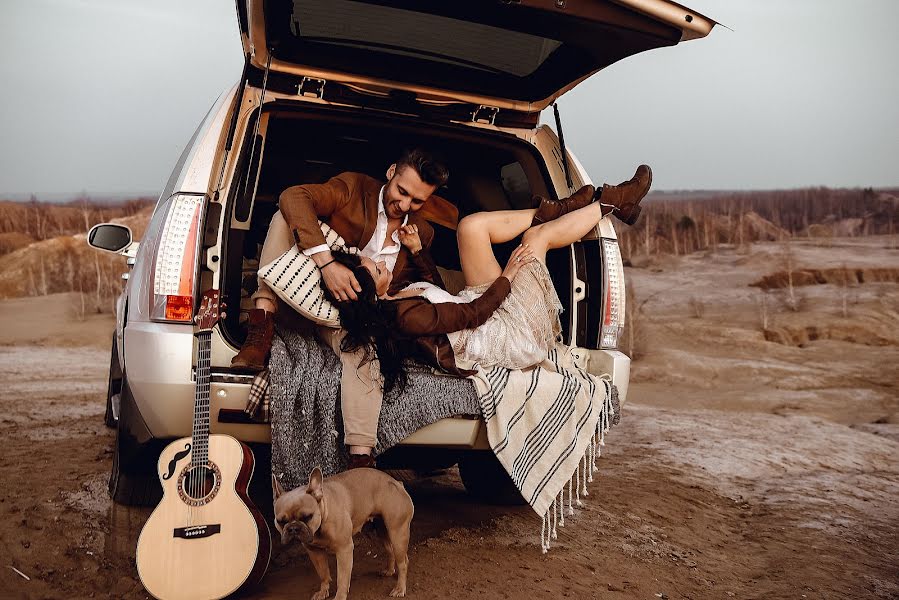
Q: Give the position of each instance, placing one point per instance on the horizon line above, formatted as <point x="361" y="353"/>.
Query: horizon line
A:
<point x="26" y="196"/>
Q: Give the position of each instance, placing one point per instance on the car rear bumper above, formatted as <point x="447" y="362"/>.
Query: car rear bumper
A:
<point x="160" y="378"/>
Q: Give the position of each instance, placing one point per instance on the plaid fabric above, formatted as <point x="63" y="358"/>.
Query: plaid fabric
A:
<point x="259" y="401"/>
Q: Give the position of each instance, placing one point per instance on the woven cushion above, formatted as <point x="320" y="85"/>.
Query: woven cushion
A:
<point x="295" y="278"/>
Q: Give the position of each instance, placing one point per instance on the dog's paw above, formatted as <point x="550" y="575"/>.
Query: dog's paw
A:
<point x="321" y="595"/>
<point x="398" y="592"/>
<point x="387" y="572"/>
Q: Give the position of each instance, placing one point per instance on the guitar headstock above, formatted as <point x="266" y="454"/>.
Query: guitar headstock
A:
<point x="211" y="310"/>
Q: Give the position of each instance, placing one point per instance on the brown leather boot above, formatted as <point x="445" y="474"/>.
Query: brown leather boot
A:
<point x="553" y="209"/>
<point x="361" y="461"/>
<point x="253" y="355"/>
<point x="623" y="200"/>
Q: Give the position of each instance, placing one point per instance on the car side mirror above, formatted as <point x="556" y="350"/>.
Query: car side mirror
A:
<point x="109" y="237"/>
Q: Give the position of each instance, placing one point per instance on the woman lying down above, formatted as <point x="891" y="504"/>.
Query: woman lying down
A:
<point x="506" y="317"/>
<point x="545" y="416"/>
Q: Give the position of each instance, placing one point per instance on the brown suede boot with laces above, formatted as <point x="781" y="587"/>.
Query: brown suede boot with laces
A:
<point x="553" y="209"/>
<point x="253" y="355"/>
<point x="623" y="200"/>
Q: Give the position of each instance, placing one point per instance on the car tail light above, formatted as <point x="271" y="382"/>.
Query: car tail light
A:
<point x="613" y="299"/>
<point x="175" y="265"/>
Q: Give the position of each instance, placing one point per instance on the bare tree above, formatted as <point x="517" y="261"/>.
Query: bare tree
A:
<point x="764" y="308"/>
<point x="648" y="236"/>
<point x="792" y="299"/>
<point x="697" y="307"/>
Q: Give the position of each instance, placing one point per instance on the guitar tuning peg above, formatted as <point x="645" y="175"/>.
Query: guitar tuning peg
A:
<point x="223" y="315"/>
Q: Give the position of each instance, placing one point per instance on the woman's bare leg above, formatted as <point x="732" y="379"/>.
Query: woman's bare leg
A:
<point x="563" y="231"/>
<point x="476" y="235"/>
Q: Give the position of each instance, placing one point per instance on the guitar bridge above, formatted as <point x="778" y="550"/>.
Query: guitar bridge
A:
<point x="196" y="531"/>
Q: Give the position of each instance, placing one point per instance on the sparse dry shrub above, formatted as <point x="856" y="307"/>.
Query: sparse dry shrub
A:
<point x="697" y="307"/>
<point x="635" y="333"/>
<point x="791" y="298"/>
<point x="847" y="282"/>
<point x="45" y="220"/>
<point x="748" y="217"/>
<point x="835" y="276"/>
<point x="763" y="304"/>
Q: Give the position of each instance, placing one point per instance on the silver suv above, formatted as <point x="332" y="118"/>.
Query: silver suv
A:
<point x="343" y="86"/>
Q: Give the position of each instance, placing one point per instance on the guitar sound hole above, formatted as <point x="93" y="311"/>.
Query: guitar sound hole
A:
<point x="200" y="482"/>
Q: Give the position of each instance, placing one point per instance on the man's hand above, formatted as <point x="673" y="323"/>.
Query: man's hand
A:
<point x="521" y="256"/>
<point x="339" y="279"/>
<point x="409" y="238"/>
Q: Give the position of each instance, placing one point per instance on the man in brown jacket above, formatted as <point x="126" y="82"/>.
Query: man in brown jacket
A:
<point x="374" y="217"/>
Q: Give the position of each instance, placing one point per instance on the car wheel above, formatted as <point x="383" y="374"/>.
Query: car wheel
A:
<point x="133" y="480"/>
<point x="486" y="479"/>
<point x="132" y="486"/>
<point x="113" y="387"/>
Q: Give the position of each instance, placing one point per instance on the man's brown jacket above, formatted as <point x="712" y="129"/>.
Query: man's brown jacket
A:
<point x="349" y="204"/>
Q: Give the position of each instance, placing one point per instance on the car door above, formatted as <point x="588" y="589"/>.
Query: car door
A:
<point x="494" y="55"/>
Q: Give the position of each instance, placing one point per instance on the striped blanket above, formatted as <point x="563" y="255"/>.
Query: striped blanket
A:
<point x="546" y="426"/>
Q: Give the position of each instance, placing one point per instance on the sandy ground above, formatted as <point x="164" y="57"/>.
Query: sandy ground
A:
<point x="742" y="468"/>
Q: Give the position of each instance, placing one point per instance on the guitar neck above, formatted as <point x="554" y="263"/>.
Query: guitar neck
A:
<point x="200" y="436"/>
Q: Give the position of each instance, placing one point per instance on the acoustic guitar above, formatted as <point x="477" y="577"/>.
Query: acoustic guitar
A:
<point x="205" y="539"/>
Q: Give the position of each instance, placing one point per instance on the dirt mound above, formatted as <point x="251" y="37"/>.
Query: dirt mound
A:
<point x="63" y="264"/>
<point x="758" y="228"/>
<point x="838" y="276"/>
<point x="802" y="335"/>
<point x="66" y="264"/>
<point x="46" y="220"/>
<point x="12" y="241"/>
<point x="137" y="223"/>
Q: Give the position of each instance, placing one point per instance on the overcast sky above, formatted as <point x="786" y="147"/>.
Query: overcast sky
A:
<point x="101" y="96"/>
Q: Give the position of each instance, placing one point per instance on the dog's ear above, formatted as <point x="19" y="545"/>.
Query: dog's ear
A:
<point x="277" y="490"/>
<point x="314" y="488"/>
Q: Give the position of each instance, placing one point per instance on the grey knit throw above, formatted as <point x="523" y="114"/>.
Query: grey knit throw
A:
<point x="307" y="427"/>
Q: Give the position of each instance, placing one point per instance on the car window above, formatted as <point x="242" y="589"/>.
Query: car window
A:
<point x="430" y="37"/>
<point x="516" y="185"/>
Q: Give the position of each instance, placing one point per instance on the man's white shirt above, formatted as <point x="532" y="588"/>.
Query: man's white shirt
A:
<point x="375" y="248"/>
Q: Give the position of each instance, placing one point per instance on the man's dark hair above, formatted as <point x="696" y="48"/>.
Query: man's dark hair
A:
<point x="429" y="167"/>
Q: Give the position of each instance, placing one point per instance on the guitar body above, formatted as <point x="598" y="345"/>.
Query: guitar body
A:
<point x="205" y="539"/>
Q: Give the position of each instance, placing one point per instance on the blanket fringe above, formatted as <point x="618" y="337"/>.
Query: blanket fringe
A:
<point x="577" y="485"/>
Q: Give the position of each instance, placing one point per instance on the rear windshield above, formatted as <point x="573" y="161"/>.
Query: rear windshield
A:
<point x="430" y="37"/>
<point x="504" y="50"/>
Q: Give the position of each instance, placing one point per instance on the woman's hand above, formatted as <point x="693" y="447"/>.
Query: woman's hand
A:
<point x="521" y="256"/>
<point x="408" y="235"/>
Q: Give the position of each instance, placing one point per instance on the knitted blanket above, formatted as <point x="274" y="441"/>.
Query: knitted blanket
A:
<point x="304" y="399"/>
<point x="546" y="426"/>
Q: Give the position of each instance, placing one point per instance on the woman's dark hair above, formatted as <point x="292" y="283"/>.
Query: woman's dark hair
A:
<point x="370" y="325"/>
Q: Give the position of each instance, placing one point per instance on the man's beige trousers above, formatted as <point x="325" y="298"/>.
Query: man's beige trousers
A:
<point x="360" y="387"/>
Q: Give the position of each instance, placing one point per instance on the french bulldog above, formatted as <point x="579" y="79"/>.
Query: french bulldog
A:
<point x="327" y="513"/>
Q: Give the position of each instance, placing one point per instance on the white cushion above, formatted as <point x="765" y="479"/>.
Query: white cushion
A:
<point x="296" y="279"/>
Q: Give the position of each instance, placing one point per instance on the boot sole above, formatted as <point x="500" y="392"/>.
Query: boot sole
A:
<point x="635" y="214"/>
<point x="246" y="368"/>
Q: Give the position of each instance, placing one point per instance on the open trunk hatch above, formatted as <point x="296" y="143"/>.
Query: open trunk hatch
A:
<point x="518" y="54"/>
